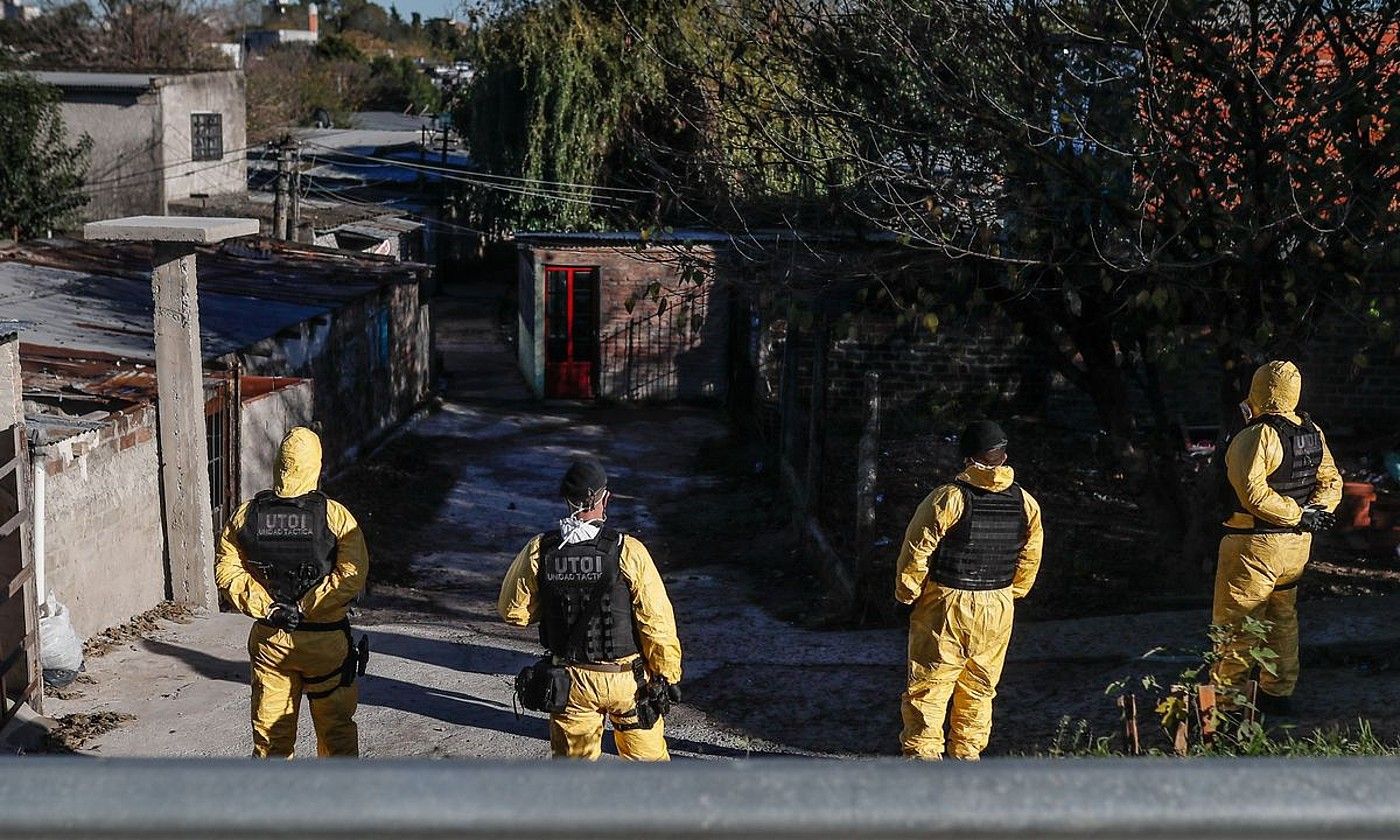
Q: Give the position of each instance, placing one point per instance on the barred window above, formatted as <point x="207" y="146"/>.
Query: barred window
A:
<point x="207" y="136"/>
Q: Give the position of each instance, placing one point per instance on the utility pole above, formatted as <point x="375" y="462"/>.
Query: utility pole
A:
<point x="279" y="200"/>
<point x="294" y="223"/>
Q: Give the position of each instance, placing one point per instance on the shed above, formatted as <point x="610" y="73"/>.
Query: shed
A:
<point x="624" y="316"/>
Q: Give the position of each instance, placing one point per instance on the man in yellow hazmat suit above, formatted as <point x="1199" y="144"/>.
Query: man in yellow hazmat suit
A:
<point x="606" y="622"/>
<point x="294" y="560"/>
<point x="1286" y="487"/>
<point x="972" y="548"/>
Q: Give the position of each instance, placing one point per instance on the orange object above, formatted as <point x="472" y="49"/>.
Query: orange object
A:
<point x="1355" y="509"/>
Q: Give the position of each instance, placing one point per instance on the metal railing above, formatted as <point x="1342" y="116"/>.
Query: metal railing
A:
<point x="777" y="799"/>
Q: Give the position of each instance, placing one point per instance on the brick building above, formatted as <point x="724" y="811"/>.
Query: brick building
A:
<point x="616" y="316"/>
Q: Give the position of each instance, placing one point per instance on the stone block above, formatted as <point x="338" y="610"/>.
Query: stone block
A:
<point x="192" y="229"/>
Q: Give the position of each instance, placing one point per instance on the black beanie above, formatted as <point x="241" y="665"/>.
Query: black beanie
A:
<point x="980" y="436"/>
<point x="584" y="480"/>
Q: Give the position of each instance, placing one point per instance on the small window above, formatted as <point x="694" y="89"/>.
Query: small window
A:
<point x="207" y="136"/>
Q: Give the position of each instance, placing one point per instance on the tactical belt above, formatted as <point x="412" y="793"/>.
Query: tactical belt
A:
<point x="315" y="626"/>
<point x="603" y="667"/>
<point x="1268" y="529"/>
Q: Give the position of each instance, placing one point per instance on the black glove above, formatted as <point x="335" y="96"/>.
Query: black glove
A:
<point x="284" y="616"/>
<point x="1316" y="519"/>
<point x="673" y="692"/>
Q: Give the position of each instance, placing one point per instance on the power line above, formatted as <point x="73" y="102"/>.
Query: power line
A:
<point x="488" y="175"/>
<point x="131" y="175"/>
<point x="457" y="175"/>
<point x="389" y="208"/>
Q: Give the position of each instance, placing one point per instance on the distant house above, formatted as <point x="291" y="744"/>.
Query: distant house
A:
<point x="262" y="40"/>
<point x="18" y="10"/>
<point x="620" y="316"/>
<point x="156" y="138"/>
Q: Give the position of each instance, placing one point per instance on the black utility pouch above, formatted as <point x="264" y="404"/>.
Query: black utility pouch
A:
<point x="544" y="687"/>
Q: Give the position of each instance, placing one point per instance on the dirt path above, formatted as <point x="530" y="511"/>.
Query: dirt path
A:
<point x="448" y="503"/>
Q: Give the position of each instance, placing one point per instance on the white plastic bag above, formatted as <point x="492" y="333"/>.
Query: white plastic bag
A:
<point x="60" y="649"/>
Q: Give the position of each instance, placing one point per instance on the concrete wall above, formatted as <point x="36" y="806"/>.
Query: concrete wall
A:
<point x="671" y="347"/>
<point x="263" y="422"/>
<point x="141" y="142"/>
<point x="370" y="362"/>
<point x="104" y="548"/>
<point x="221" y="93"/>
<point x="124" y="169"/>
<point x="529" y="345"/>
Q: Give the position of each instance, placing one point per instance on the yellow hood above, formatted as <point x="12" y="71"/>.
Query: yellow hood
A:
<point x="1275" y="389"/>
<point x="298" y="463"/>
<point x="995" y="479"/>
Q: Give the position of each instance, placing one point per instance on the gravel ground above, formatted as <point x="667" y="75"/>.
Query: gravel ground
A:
<point x="448" y="503"/>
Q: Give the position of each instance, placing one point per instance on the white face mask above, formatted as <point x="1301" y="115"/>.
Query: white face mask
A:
<point x="574" y="530"/>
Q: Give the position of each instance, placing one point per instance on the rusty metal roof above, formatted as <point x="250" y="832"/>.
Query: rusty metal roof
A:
<point x="96" y="295"/>
<point x="83" y="312"/>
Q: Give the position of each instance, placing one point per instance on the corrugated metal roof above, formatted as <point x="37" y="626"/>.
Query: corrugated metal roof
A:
<point x="83" y="311"/>
<point x="96" y="296"/>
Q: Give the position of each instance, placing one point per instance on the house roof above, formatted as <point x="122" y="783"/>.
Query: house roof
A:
<point x="98" y="81"/>
<point x="613" y="239"/>
<point x="621" y="237"/>
<point x="96" y="296"/>
<point x="71" y="80"/>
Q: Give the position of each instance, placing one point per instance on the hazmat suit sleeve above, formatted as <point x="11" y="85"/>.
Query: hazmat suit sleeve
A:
<point x="656" y="623"/>
<point x="1028" y="564"/>
<point x="937" y="513"/>
<point x="1253" y="455"/>
<point x="517" y="604"/>
<point x="328" y="600"/>
<point x="236" y="583"/>
<point x="1328" y="492"/>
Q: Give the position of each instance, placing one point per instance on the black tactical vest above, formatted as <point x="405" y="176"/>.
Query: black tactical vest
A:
<point x="981" y="551"/>
<point x="288" y="542"/>
<point x="586" y="604"/>
<point x="1296" y="475"/>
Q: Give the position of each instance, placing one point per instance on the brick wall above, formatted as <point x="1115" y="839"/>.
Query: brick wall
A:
<point x="104" y="546"/>
<point x="1337" y="391"/>
<point x="961" y="365"/>
<point x="674" y="347"/>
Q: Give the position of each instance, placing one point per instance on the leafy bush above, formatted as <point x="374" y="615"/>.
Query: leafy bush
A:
<point x="1227" y="728"/>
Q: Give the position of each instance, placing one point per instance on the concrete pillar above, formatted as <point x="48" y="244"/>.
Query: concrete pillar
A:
<point x="184" y="454"/>
<point x="11" y="388"/>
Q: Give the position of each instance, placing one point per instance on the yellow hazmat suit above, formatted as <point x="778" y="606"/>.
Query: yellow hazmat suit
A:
<point x="287" y="664"/>
<point x="957" y="638"/>
<point x="577" y="732"/>
<point x="1258" y="573"/>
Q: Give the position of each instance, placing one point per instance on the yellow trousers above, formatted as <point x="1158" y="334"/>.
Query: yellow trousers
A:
<point x="1257" y="576"/>
<point x="957" y="646"/>
<point x="284" y="667"/>
<point x="577" y="732"/>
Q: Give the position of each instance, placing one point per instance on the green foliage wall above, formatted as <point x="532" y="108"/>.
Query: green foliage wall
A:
<point x="41" y="175"/>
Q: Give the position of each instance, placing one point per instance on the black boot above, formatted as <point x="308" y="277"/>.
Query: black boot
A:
<point x="1272" y="704"/>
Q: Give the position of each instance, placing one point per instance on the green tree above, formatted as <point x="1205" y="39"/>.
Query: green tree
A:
<point x="41" y="174"/>
<point x="397" y="83"/>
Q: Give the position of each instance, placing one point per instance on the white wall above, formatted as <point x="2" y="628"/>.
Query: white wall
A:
<point x="221" y="93"/>
<point x="264" y="421"/>
<point x="104" y="548"/>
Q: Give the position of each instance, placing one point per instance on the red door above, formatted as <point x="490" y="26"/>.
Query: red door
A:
<point x="571" y="331"/>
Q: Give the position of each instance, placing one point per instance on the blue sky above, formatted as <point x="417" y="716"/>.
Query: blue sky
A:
<point x="426" y="8"/>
